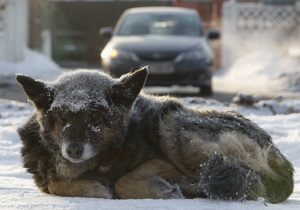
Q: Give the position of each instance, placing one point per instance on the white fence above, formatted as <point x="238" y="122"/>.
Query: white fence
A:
<point x="247" y="27"/>
<point x="13" y="29"/>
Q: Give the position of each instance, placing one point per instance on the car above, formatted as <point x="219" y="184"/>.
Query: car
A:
<point x="171" y="41"/>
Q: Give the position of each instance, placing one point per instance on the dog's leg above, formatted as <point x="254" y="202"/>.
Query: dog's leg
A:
<point x="79" y="188"/>
<point x="150" y="180"/>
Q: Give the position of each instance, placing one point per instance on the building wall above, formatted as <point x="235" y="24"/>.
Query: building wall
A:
<point x="13" y="29"/>
<point x="249" y="27"/>
<point x="78" y="23"/>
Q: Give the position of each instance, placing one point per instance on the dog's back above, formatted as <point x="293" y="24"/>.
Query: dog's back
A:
<point x="237" y="158"/>
<point x="231" y="156"/>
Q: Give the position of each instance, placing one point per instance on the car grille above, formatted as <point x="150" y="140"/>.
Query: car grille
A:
<point x="157" y="57"/>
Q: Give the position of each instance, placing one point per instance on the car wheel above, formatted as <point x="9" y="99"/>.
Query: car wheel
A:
<point x="206" y="90"/>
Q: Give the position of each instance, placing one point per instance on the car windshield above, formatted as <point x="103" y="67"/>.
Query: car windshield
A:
<point x="178" y="24"/>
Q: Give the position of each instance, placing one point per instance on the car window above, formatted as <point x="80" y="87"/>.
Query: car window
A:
<point x="161" y="24"/>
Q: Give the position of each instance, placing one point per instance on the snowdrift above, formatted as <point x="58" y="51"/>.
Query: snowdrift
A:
<point x="34" y="64"/>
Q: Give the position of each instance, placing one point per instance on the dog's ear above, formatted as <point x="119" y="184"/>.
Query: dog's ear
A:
<point x="129" y="86"/>
<point x="37" y="91"/>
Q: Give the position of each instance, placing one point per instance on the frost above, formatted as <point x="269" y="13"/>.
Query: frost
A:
<point x="95" y="129"/>
<point x="81" y="89"/>
<point x="66" y="126"/>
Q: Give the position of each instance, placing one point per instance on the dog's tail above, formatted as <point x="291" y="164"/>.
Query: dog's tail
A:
<point x="279" y="186"/>
<point x="225" y="178"/>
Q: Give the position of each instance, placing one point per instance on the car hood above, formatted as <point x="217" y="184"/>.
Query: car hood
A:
<point x="175" y="44"/>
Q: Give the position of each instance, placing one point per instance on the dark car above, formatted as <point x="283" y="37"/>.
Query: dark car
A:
<point x="171" y="41"/>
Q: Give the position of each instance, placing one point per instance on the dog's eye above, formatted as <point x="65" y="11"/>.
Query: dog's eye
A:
<point x="95" y="115"/>
<point x="59" y="115"/>
<point x="62" y="117"/>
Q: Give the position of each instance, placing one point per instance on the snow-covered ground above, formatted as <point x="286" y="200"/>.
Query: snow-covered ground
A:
<point x="280" y="117"/>
<point x="17" y="190"/>
<point x="34" y="64"/>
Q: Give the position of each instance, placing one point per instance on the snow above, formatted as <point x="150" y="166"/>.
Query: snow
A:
<point x="33" y="64"/>
<point x="268" y="69"/>
<point x="18" y="191"/>
<point x="263" y="63"/>
<point x="279" y="117"/>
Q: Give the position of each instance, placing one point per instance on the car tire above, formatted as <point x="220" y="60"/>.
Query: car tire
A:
<point x="206" y="90"/>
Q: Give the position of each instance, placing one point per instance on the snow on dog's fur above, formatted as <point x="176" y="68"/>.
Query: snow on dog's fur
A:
<point x="95" y="136"/>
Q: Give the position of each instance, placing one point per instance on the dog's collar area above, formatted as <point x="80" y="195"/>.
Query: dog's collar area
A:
<point x="112" y="156"/>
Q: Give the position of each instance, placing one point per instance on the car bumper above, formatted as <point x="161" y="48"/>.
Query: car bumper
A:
<point x="183" y="73"/>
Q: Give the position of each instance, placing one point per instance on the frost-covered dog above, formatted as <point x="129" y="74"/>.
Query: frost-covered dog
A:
<point x="95" y="136"/>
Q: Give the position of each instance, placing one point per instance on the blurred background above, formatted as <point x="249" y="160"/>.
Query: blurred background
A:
<point x="71" y="27"/>
<point x="255" y="34"/>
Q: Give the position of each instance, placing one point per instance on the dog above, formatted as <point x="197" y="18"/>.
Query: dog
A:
<point x="97" y="136"/>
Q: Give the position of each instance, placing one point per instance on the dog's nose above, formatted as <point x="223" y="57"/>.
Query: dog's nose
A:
<point x="75" y="150"/>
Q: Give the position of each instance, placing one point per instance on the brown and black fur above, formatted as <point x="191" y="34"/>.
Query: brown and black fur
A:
<point x="95" y="136"/>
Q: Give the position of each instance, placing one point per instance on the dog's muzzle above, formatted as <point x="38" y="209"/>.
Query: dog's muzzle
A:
<point x="77" y="152"/>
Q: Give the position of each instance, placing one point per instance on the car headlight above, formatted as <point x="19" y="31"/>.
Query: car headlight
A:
<point x="194" y="55"/>
<point x="113" y="53"/>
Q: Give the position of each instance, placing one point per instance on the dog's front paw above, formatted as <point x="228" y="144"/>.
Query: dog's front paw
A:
<point x="173" y="193"/>
<point x="165" y="190"/>
<point x="80" y="188"/>
<point x="97" y="190"/>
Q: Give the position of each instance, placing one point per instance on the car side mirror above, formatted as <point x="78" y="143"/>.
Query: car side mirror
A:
<point x="213" y="34"/>
<point x="106" y="32"/>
